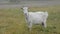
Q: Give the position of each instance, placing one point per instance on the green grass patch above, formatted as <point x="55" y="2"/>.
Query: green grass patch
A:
<point x="12" y="21"/>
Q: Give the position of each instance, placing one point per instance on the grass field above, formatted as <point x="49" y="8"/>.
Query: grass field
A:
<point x="12" y="21"/>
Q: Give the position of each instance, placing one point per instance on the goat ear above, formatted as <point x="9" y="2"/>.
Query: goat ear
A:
<point x="21" y="8"/>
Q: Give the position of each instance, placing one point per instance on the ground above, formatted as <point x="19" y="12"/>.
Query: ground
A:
<point x="12" y="20"/>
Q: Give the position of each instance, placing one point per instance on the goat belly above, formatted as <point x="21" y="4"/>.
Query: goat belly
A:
<point x="36" y="22"/>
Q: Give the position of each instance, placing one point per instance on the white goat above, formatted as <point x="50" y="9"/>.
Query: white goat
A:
<point x="35" y="17"/>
